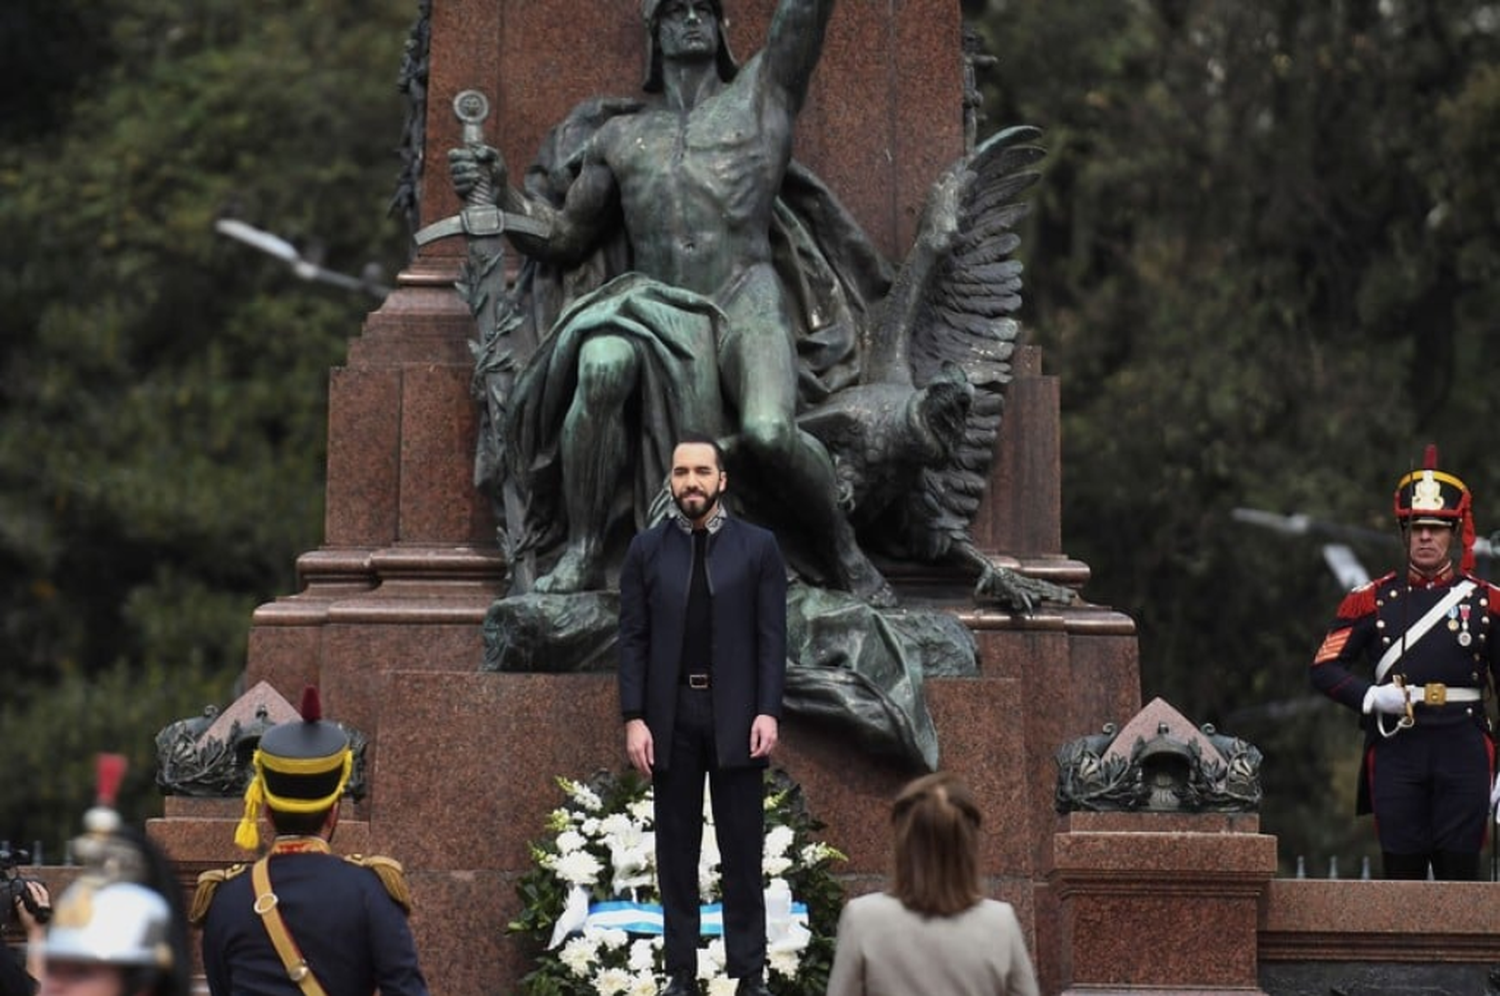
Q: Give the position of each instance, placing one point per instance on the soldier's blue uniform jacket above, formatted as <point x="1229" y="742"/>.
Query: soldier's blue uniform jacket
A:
<point x="1460" y="651"/>
<point x="352" y="932"/>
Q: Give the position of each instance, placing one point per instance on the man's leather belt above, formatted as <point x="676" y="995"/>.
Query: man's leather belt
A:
<point x="698" y="679"/>
<point x="1435" y="694"/>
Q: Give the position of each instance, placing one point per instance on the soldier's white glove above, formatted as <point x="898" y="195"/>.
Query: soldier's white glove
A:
<point x="1386" y="699"/>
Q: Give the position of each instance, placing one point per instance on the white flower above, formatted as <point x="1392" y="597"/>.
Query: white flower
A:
<point x="601" y="852"/>
<point x="816" y="852"/>
<point x="612" y="981"/>
<point x="643" y="984"/>
<point x="711" y="959"/>
<point x="708" y="881"/>
<point x="612" y="939"/>
<point x="578" y="868"/>
<point x="777" y="866"/>
<point x="634" y="863"/>
<point x="778" y="839"/>
<point x="579" y="955"/>
<point x="784" y="963"/>
<point x="643" y="954"/>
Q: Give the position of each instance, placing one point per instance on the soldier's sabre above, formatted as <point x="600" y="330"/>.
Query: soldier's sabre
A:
<point x="482" y="285"/>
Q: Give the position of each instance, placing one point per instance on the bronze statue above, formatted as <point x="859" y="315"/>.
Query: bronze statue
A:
<point x="685" y="274"/>
<point x="693" y="176"/>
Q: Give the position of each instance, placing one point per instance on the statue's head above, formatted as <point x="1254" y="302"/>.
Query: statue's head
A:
<point x="650" y="14"/>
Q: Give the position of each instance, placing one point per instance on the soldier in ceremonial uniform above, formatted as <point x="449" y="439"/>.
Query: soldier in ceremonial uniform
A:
<point x="120" y="928"/>
<point x="302" y="921"/>
<point x="1428" y="633"/>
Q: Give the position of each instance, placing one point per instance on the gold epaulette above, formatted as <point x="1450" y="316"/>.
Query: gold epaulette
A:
<point x="208" y="884"/>
<point x="390" y="873"/>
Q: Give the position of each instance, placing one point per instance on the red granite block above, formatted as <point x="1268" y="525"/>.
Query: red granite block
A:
<point x="1195" y="895"/>
<point x="364" y="409"/>
<point x="438" y="500"/>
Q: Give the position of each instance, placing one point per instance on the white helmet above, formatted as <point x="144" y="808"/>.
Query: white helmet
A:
<point x="111" y="922"/>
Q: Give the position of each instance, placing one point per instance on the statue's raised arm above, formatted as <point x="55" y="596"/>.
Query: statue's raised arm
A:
<point x="794" y="45"/>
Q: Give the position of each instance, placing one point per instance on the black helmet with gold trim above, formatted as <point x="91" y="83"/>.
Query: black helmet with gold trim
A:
<point x="301" y="766"/>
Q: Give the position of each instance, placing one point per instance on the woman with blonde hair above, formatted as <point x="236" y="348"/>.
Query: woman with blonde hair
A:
<point x="933" y="932"/>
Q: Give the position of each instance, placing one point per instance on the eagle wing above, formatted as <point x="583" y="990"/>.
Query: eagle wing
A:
<point x="951" y="307"/>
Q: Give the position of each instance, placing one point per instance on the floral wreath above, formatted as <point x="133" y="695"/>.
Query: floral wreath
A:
<point x="590" y="899"/>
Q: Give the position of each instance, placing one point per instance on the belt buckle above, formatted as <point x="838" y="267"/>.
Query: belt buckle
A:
<point x="1434" y="693"/>
<point x="699" y="681"/>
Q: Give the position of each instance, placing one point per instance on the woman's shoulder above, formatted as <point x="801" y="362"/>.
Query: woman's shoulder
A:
<point x="874" y="904"/>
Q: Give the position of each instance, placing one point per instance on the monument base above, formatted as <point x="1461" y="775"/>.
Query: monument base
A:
<point x="1160" y="903"/>
<point x="466" y="770"/>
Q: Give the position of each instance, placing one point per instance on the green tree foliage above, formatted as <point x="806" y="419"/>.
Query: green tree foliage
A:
<point x="163" y="396"/>
<point x="1263" y="266"/>
<point x="56" y="736"/>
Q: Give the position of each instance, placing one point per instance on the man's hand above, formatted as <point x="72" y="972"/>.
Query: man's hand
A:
<point x="36" y="931"/>
<point x="1387" y="699"/>
<point x="763" y="734"/>
<point x="639" y="747"/>
<point x="471" y="167"/>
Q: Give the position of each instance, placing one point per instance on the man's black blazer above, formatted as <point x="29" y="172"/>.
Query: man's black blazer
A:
<point x="747" y="579"/>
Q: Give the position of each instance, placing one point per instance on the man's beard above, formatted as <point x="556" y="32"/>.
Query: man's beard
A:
<point x="704" y="502"/>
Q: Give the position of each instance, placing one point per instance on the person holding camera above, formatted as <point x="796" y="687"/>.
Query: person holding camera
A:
<point x="32" y="907"/>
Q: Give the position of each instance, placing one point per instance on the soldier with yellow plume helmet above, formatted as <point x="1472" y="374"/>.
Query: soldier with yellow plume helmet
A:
<point x="302" y="921"/>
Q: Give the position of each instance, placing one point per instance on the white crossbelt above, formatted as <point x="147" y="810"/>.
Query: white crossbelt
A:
<point x="1395" y="650"/>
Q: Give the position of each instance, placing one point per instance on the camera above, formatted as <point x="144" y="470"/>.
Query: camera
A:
<point x="13" y="885"/>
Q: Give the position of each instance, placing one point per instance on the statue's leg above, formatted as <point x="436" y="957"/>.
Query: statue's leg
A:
<point x="595" y="454"/>
<point x="759" y="367"/>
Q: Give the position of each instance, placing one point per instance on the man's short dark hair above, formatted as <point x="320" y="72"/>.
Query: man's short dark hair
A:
<point x="703" y="439"/>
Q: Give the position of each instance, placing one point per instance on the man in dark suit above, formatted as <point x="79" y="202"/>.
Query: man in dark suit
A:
<point x="303" y="921"/>
<point x="702" y="668"/>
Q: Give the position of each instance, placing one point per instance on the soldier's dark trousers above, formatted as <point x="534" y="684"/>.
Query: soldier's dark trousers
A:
<point x="1430" y="789"/>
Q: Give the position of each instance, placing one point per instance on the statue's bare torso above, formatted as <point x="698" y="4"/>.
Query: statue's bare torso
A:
<point x="697" y="185"/>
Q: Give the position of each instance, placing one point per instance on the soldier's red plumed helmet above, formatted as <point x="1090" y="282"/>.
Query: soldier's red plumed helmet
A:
<point x="1431" y="496"/>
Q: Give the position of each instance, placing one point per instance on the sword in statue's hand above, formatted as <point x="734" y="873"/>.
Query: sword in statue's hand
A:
<point x="482" y="285"/>
<point x="481" y="216"/>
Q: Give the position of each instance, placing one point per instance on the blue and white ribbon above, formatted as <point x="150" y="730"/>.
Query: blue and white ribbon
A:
<point x="786" y="921"/>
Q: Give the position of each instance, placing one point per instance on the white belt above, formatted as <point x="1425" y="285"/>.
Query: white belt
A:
<point x="1435" y="694"/>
